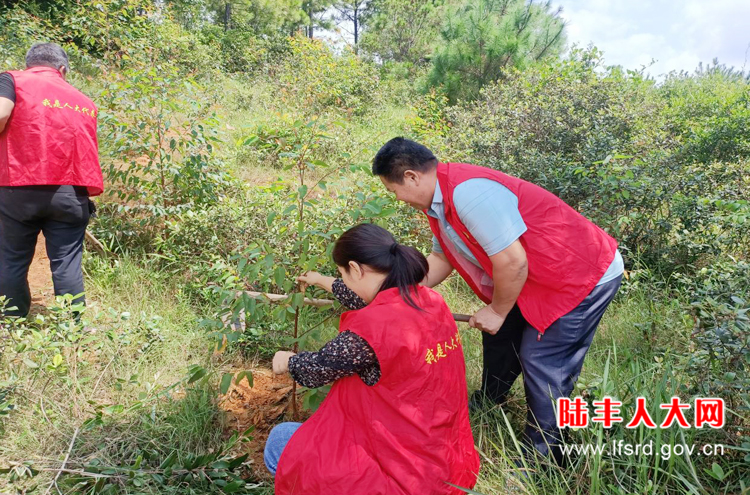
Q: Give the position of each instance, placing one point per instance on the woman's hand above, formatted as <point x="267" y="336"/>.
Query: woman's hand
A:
<point x="281" y="362"/>
<point x="316" y="279"/>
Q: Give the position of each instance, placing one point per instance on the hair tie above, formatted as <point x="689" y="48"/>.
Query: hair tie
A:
<point x="394" y="247"/>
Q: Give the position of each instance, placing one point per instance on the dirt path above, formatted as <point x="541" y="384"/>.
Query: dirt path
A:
<point x="40" y="278"/>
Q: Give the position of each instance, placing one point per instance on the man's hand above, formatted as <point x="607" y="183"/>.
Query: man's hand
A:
<point x="281" y="362"/>
<point x="6" y="108"/>
<point x="487" y="320"/>
<point x="316" y="279"/>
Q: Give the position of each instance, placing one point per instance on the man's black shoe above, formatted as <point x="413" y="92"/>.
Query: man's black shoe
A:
<point x="479" y="401"/>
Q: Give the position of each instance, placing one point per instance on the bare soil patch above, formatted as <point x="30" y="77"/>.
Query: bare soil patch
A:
<point x="262" y="406"/>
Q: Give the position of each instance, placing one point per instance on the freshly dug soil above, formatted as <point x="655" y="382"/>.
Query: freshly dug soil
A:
<point x="263" y="405"/>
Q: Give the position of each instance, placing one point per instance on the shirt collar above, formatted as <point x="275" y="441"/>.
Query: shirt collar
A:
<point x="437" y="198"/>
<point x="437" y="202"/>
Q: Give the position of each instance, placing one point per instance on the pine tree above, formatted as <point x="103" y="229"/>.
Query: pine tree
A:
<point x="354" y="12"/>
<point x="484" y="37"/>
<point x="402" y="31"/>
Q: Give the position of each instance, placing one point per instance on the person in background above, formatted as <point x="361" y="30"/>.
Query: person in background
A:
<point x="49" y="167"/>
<point x="396" y="420"/>
<point x="545" y="273"/>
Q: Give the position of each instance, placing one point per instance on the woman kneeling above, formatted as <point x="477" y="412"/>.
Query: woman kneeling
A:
<point x="396" y="420"/>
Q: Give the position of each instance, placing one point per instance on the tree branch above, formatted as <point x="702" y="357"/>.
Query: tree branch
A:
<point x="67" y="456"/>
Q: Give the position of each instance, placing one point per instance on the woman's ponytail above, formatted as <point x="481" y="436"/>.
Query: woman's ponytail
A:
<point x="368" y="244"/>
<point x="408" y="270"/>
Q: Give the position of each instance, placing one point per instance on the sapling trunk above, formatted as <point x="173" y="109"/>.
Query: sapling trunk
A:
<point x="295" y="412"/>
<point x="301" y="213"/>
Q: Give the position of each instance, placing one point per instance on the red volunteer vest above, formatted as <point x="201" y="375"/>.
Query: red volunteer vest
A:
<point x="567" y="254"/>
<point x="408" y="434"/>
<point x="50" y="138"/>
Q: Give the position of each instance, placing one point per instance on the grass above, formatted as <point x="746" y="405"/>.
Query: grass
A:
<point x="623" y="377"/>
<point x="634" y="354"/>
<point x="145" y="337"/>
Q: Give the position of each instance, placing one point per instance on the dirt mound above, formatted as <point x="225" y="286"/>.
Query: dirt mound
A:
<point x="263" y="405"/>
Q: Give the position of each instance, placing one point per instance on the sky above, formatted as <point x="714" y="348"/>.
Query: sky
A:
<point x="676" y="34"/>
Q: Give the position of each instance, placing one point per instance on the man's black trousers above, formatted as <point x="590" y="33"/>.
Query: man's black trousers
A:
<point x="62" y="214"/>
<point x="550" y="363"/>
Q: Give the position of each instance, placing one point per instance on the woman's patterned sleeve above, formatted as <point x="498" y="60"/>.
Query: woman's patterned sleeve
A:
<point x="346" y="296"/>
<point x="343" y="356"/>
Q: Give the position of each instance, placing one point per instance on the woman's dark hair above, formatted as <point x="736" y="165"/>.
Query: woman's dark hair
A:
<point x="399" y="155"/>
<point x="368" y="244"/>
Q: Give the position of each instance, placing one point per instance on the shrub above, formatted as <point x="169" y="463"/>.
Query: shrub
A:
<point x="243" y="51"/>
<point x="710" y="113"/>
<point x="313" y="79"/>
<point x="720" y="362"/>
<point x="158" y="157"/>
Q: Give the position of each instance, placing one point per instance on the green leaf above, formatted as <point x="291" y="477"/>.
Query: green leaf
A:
<point x="241" y="265"/>
<point x="220" y="465"/>
<point x="226" y="382"/>
<point x="298" y="300"/>
<point x="199" y="373"/>
<point x="190" y="462"/>
<point x="31" y="364"/>
<point x="717" y="471"/>
<point x="57" y="360"/>
<point x="235" y="463"/>
<point x="251" y="140"/>
<point x="270" y="218"/>
<point x="113" y="409"/>
<point x="247" y="375"/>
<point x="279" y="275"/>
<point x="246" y="434"/>
<point x="313" y="398"/>
<point x="234" y="486"/>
